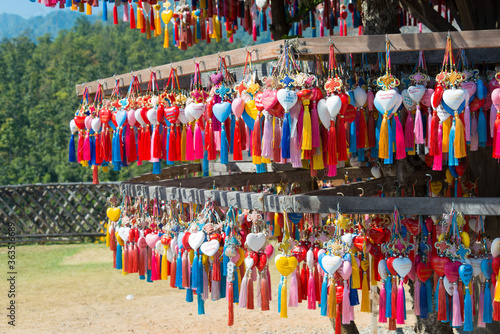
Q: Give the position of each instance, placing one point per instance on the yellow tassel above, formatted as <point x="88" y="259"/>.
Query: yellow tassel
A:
<point x="85" y="163"/>
<point x="373" y="281"/>
<point x="239" y="275"/>
<point x="355" y="283"/>
<point x="89" y="9"/>
<point x="123" y="262"/>
<point x="216" y="29"/>
<point x="446" y="134"/>
<point x="203" y="4"/>
<point x="283" y="310"/>
<point x="105" y="169"/>
<point x="148" y="28"/>
<point x="140" y="23"/>
<point x="277" y="227"/>
<point x="497" y="289"/>
<point x="365" y="295"/>
<point x="383" y="143"/>
<point x="332" y="300"/>
<point x="183" y="143"/>
<point x="81" y="9"/>
<point x="166" y="40"/>
<point x="74" y="6"/>
<point x="318" y="158"/>
<point x="157" y="24"/>
<point x="459" y="143"/>
<point x="264" y="160"/>
<point x="306" y="128"/>
<point x="107" y="238"/>
<point x="256" y="160"/>
<point x="164" y="264"/>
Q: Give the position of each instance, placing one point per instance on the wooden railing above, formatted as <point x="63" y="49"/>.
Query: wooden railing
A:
<point x="54" y="212"/>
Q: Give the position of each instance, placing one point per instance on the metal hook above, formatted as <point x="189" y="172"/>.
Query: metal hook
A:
<point x="246" y="48"/>
<point x="150" y="69"/>
<point x="362" y="192"/>
<point x="398" y="184"/>
<point x="190" y="198"/>
<point x="232" y="199"/>
<point x="330" y="40"/>
<point x="218" y="54"/>
<point x="172" y="196"/>
<point x="341" y="194"/>
<point x="429" y="175"/>
<point x="289" y="208"/>
<point x="194" y="59"/>
<point x="255" y="206"/>
<point x="381" y="186"/>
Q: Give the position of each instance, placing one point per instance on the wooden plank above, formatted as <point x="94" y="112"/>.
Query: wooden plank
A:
<point x="237" y="57"/>
<point x="169" y="173"/>
<point x="466" y="14"/>
<point x="401" y="42"/>
<point x="426" y="14"/>
<point x="93" y="234"/>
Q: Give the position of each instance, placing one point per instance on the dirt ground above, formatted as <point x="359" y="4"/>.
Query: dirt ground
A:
<point x="74" y="289"/>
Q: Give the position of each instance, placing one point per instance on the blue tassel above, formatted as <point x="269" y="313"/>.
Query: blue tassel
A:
<point x="200" y="275"/>
<point x="92" y="151"/>
<point x="223" y="146"/>
<point x="428" y="287"/>
<point x="71" y="152"/>
<point x="353" y="297"/>
<point x="178" y="272"/>
<point x="124" y="152"/>
<point x="391" y="133"/>
<point x="189" y="295"/>
<point x="194" y="272"/>
<point x="260" y="168"/>
<point x="324" y="296"/>
<point x="201" y="305"/>
<point x="481" y="129"/>
<point x="236" y="289"/>
<point x="404" y="298"/>
<point x="487" y="308"/>
<point x="468" y="311"/>
<point x="148" y="279"/>
<point x="222" y="290"/>
<point x="115" y="151"/>
<point x="279" y="293"/>
<point x="118" y="256"/>
<point x="104" y="9"/>
<point x="452" y="161"/>
<point x="353" y="147"/>
<point x="361" y="154"/>
<point x="285" y="137"/>
<point x="423" y="301"/>
<point x="156" y="168"/>
<point x="198" y="31"/>
<point x="204" y="164"/>
<point x="68" y="3"/>
<point x="233" y="124"/>
<point x="436" y="294"/>
<point x="388" y="290"/>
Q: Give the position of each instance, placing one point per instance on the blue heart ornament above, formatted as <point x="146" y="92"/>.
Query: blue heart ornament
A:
<point x="465" y="272"/>
<point x="222" y="111"/>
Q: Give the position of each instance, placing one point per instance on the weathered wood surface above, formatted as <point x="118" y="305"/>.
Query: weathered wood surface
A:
<point x="42" y="211"/>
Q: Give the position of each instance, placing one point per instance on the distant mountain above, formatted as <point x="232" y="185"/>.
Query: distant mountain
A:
<point x="12" y="25"/>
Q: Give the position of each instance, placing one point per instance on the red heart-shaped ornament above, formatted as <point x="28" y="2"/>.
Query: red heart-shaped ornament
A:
<point x="412" y="225"/>
<point x="185" y="242"/>
<point x="269" y="99"/>
<point x="171" y="114"/>
<point x="305" y="94"/>
<point x="390" y="267"/>
<point x="378" y="235"/>
<point x="438" y="264"/>
<point x="144" y="115"/>
<point x="104" y="116"/>
<point x="424" y="271"/>
<point x="495" y="264"/>
<point x="277" y="110"/>
<point x="451" y="271"/>
<point x="258" y="101"/>
<point x="358" y="241"/>
<point x="438" y="95"/>
<point x="80" y="122"/>
<point x="261" y="264"/>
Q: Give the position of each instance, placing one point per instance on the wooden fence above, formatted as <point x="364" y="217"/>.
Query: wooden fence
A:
<point x="54" y="212"/>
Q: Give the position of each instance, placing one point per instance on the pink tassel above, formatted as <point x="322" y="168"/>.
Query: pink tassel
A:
<point x="400" y="314"/>
<point x="418" y="130"/>
<point x="198" y="142"/>
<point x="429" y="130"/>
<point x="243" y="292"/>
<point x="480" y="322"/>
<point x="86" y="148"/>
<point x="185" y="270"/>
<point x="277" y="142"/>
<point x="382" y="300"/>
<point x="125" y="12"/>
<point x="438" y="158"/>
<point x="400" y="140"/>
<point x="332" y="170"/>
<point x="295" y="152"/>
<point x="254" y="31"/>
<point x="204" y="295"/>
<point x="416" y="299"/>
<point x="346" y="313"/>
<point x="293" y="301"/>
<point x="189" y="143"/>
<point x="267" y="137"/>
<point x="467" y="123"/>
<point x="409" y="136"/>
<point x="474" y="138"/>
<point x="496" y="153"/>
<point x="154" y="269"/>
<point x="311" y="292"/>
<point x="215" y="290"/>
<point x="457" y="313"/>
<point x="248" y="142"/>
<point x="341" y="29"/>
<point x="269" y="290"/>
<point x="322" y="29"/>
<point x="258" y="297"/>
<point x="493" y="117"/>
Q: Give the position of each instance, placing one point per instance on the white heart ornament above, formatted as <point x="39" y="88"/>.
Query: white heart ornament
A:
<point x="448" y="286"/>
<point x="360" y="96"/>
<point x="331" y="263"/>
<point x="210" y="248"/>
<point x="138" y="117"/>
<point x="170" y="254"/>
<point x="310" y="259"/>
<point x="196" y="239"/>
<point x="476" y="266"/>
<point x="72" y="126"/>
<point x="123" y="232"/>
<point x="347" y="239"/>
<point x="454" y="98"/>
<point x="287" y="98"/>
<point x="442" y="114"/>
<point x="416" y="92"/>
<point x="249" y="262"/>
<point x="255" y="241"/>
<point x="474" y="224"/>
<point x="386" y="99"/>
<point x="160" y="248"/>
<point x="152" y="239"/>
<point x="183" y="117"/>
<point x="382" y="269"/>
<point x="152" y="116"/>
<point x="408" y="101"/>
<point x="96" y="125"/>
<point x="397" y="105"/>
<point x="333" y="104"/>
<point x="323" y="113"/>
<point x="195" y="110"/>
<point x="261" y="3"/>
<point x="495" y="247"/>
<point x="402" y="265"/>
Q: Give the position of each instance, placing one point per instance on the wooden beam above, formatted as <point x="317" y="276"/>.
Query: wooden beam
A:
<point x="466" y="14"/>
<point x="320" y="204"/>
<point x="169" y="173"/>
<point x="426" y="14"/>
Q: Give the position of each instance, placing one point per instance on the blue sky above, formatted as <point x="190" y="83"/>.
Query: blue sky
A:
<point x="24" y="8"/>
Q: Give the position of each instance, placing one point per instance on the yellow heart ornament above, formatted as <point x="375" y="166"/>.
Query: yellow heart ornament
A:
<point x="436" y="187"/>
<point x="286" y="265"/>
<point x="166" y="16"/>
<point x="114" y="214"/>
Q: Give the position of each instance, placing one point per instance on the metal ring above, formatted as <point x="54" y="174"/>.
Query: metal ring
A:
<point x="194" y="59"/>
<point x="172" y="196"/>
<point x="341" y="194"/>
<point x="255" y="206"/>
<point x="362" y="192"/>
<point x="429" y="175"/>
<point x="232" y="199"/>
<point x="381" y="186"/>
<point x="190" y="198"/>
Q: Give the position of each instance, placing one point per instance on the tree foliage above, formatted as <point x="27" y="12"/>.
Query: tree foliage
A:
<point x="37" y="94"/>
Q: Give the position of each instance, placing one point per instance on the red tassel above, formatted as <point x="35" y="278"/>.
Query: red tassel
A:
<point x="237" y="154"/>
<point x="216" y="268"/>
<point x="277" y="142"/>
<point x="371" y="131"/>
<point x="131" y="146"/>
<point x="140" y="137"/>
<point x="394" y="299"/>
<point x="98" y="149"/>
<point x="303" y="280"/>
<point x="95" y="174"/>
<point x="332" y="144"/>
<point x="338" y="321"/>
<point x="433" y="141"/>
<point x="144" y="23"/>
<point x="442" y="313"/>
<point x="178" y="136"/>
<point x="264" y="292"/>
<point x="299" y="285"/>
<point x="142" y="270"/>
<point x="147" y="143"/>
<point x="115" y="15"/>
<point x="243" y="134"/>
<point x="210" y="142"/>
<point x="256" y="139"/>
<point x="230" y="297"/>
<point x="341" y="140"/>
<point x="250" y="303"/>
<point x="132" y="17"/>
<point x="361" y="130"/>
<point x="496" y="137"/>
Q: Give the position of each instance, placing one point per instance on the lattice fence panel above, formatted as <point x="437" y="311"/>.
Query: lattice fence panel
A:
<point x="54" y="210"/>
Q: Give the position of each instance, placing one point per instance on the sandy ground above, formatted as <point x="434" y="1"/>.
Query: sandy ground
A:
<point x="78" y="291"/>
